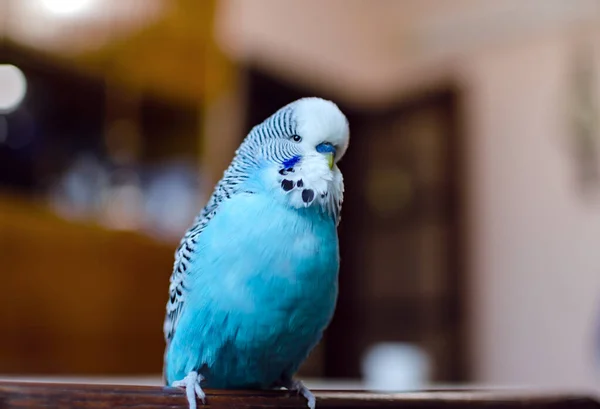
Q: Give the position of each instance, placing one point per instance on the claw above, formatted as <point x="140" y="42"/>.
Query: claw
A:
<point x="191" y="383"/>
<point x="199" y="392"/>
<point x="298" y="387"/>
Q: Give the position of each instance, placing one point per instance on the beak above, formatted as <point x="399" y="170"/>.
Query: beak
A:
<point x="329" y="151"/>
<point x="330" y="158"/>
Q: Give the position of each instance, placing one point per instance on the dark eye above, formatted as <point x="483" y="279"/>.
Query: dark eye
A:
<point x="296" y="138"/>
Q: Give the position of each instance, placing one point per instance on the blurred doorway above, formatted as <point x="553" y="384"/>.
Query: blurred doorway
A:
<point x="402" y="275"/>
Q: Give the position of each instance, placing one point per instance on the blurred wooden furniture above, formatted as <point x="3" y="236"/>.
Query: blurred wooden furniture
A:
<point x="77" y="298"/>
<point x="15" y="395"/>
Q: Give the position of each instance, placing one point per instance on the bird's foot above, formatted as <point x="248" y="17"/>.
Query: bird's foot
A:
<point x="298" y="386"/>
<point x="191" y="383"/>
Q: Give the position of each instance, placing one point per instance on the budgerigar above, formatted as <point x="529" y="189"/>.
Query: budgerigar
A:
<point x="255" y="278"/>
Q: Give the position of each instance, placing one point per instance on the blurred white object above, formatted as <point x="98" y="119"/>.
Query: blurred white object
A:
<point x="13" y="87"/>
<point x="395" y="367"/>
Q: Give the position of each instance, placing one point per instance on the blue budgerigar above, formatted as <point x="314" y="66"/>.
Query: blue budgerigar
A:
<point x="255" y="278"/>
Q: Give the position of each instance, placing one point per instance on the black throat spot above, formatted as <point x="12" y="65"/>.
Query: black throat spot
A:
<point x="308" y="195"/>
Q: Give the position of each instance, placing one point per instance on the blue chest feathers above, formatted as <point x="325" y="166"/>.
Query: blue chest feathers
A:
<point x="263" y="286"/>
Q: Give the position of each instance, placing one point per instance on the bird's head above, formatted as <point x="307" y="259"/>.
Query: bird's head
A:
<point x="298" y="148"/>
<point x="321" y="131"/>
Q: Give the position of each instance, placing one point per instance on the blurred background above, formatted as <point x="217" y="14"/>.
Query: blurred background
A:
<point x="471" y="224"/>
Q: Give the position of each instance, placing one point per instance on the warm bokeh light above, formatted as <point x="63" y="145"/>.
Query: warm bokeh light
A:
<point x="66" y="7"/>
<point x="13" y="87"/>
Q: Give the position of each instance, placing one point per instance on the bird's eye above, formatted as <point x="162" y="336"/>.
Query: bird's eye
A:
<point x="296" y="138"/>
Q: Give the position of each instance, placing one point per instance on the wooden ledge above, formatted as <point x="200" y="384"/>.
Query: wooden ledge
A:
<point x="22" y="395"/>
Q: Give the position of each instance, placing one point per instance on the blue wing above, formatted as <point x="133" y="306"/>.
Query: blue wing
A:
<point x="225" y="189"/>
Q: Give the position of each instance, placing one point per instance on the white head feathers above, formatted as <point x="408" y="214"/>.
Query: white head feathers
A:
<point x="319" y="120"/>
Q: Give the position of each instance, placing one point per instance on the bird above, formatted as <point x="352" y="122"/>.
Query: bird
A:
<point x="255" y="277"/>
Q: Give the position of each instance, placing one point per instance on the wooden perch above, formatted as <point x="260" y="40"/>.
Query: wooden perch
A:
<point x="20" y="395"/>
